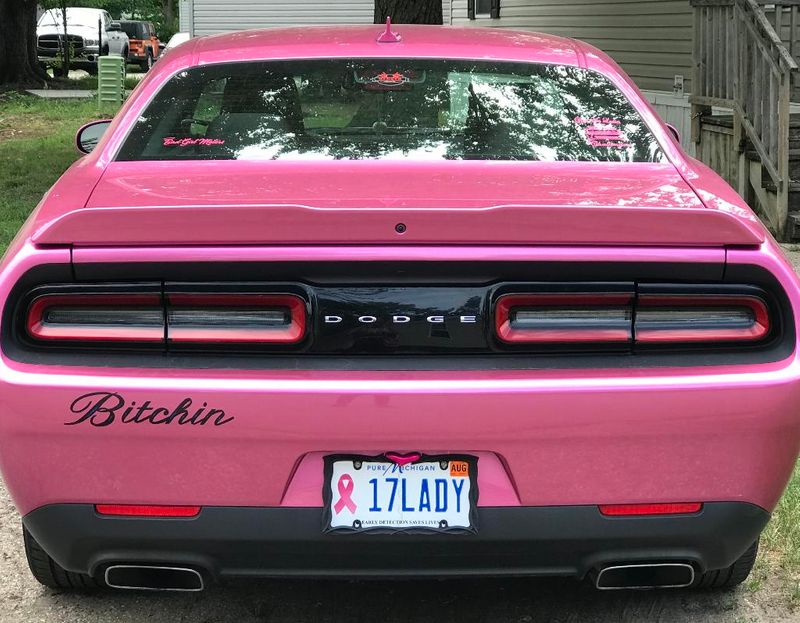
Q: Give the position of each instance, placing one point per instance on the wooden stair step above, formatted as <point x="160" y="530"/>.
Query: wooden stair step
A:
<point x="726" y="121"/>
<point x="794" y="154"/>
<point x="794" y="186"/>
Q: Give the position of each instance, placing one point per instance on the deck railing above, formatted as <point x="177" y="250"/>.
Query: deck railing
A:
<point x="785" y="19"/>
<point x="741" y="64"/>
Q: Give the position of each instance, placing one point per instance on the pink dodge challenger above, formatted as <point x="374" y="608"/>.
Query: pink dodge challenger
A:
<point x="416" y="302"/>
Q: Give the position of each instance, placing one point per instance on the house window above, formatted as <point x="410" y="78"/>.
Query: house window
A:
<point x="483" y="8"/>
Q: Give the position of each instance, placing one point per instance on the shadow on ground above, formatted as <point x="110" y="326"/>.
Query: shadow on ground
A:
<point x="434" y="601"/>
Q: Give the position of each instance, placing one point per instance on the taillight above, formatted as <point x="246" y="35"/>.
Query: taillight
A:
<point x="147" y="318"/>
<point x="564" y="318"/>
<point x="700" y="318"/>
<point x="92" y="317"/>
<point x="650" y="318"/>
<point x="235" y="318"/>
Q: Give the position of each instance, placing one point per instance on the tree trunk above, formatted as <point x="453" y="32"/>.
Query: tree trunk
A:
<point x="168" y="10"/>
<point x="19" y="65"/>
<point x="409" y="11"/>
<point x="64" y="43"/>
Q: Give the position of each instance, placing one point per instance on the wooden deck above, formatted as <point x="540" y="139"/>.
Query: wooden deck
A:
<point x="744" y="61"/>
<point x="718" y="149"/>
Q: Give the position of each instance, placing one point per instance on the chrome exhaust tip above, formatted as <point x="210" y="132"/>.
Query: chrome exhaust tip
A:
<point x="154" y="578"/>
<point x="645" y="576"/>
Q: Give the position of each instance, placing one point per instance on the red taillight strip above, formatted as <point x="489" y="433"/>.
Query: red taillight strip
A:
<point x="290" y="333"/>
<point x="506" y="331"/>
<point x="144" y="510"/>
<point x="758" y="330"/>
<point x="41" y="330"/>
<point x="633" y="510"/>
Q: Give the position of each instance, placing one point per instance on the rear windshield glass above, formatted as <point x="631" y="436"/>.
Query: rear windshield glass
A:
<point x="134" y="30"/>
<point x="390" y="109"/>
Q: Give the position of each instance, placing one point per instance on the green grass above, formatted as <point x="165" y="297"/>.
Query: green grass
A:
<point x="779" y="557"/>
<point x="90" y="83"/>
<point x="36" y="146"/>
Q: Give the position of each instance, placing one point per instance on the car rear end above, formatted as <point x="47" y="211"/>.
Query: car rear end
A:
<point x="139" y="40"/>
<point x="276" y="350"/>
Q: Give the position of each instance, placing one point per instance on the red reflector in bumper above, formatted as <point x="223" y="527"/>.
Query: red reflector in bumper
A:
<point x="137" y="510"/>
<point x="630" y="510"/>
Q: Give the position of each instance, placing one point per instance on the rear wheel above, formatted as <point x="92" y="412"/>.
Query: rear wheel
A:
<point x="48" y="572"/>
<point x="147" y="63"/>
<point x="729" y="577"/>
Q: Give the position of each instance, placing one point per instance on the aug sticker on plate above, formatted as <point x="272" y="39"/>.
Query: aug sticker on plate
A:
<point x="433" y="493"/>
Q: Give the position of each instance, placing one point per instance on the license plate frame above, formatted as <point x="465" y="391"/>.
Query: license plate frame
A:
<point x="328" y="495"/>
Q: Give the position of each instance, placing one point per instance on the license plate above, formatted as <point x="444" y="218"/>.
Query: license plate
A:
<point x="435" y="493"/>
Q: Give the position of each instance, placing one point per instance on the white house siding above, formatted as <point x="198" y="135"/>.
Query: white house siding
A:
<point x="651" y="39"/>
<point x="185" y="16"/>
<point x="208" y="17"/>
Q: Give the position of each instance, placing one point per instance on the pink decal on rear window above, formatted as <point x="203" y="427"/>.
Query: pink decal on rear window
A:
<point x="603" y="132"/>
<point x="171" y="141"/>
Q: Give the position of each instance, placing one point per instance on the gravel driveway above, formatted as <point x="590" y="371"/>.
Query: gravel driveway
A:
<point x="22" y="600"/>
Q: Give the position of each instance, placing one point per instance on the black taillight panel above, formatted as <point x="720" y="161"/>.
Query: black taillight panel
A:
<point x="497" y="324"/>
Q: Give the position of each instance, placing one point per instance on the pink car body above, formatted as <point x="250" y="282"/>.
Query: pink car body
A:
<point x="556" y="435"/>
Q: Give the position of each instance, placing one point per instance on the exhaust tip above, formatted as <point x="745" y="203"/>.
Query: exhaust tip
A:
<point x="154" y="578"/>
<point x="645" y="576"/>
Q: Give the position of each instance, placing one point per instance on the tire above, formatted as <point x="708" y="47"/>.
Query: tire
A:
<point x="48" y="572"/>
<point x="147" y="63"/>
<point x="730" y="577"/>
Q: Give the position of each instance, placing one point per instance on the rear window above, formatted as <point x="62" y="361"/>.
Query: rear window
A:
<point x="135" y="30"/>
<point x="390" y="109"/>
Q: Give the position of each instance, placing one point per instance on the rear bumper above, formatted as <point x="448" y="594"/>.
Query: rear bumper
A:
<point x="261" y="542"/>
<point x="561" y="439"/>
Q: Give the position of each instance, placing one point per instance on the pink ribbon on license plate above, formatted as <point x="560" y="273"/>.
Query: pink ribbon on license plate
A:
<point x="345" y="487"/>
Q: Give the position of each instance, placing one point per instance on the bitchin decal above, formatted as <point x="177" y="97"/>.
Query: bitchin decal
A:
<point x="105" y="408"/>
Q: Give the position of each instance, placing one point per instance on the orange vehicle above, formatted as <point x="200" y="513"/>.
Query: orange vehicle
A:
<point x="144" y="43"/>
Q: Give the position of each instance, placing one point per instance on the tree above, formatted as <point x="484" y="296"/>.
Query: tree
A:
<point x="408" y="11"/>
<point x="18" y="59"/>
<point x="168" y="11"/>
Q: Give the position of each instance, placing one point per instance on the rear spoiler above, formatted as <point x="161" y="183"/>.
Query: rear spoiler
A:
<point x="297" y="224"/>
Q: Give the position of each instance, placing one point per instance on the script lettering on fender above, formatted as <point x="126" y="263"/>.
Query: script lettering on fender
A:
<point x="106" y="408"/>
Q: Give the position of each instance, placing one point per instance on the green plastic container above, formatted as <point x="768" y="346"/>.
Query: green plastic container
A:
<point x="110" y="80"/>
